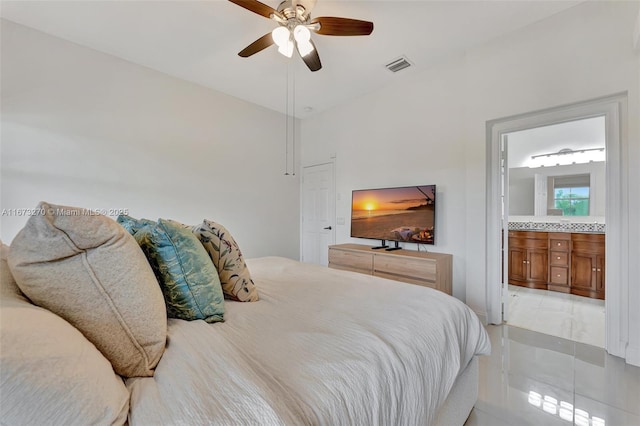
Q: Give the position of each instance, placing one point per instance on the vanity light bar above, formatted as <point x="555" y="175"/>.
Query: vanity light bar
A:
<point x="566" y="151"/>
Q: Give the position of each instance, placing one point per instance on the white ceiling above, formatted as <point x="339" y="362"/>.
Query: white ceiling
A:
<point x="198" y="41"/>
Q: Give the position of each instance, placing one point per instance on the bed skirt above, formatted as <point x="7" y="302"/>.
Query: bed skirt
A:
<point x="462" y="398"/>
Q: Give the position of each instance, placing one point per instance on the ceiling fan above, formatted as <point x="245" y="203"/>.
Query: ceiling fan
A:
<point x="295" y="26"/>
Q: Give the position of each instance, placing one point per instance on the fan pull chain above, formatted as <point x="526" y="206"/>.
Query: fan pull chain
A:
<point x="286" y="128"/>
<point x="290" y="122"/>
<point x="293" y="117"/>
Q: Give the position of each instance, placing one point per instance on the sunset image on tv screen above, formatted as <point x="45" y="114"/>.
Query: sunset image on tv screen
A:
<point x="394" y="214"/>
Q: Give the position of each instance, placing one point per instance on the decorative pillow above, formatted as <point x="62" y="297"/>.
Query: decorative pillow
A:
<point x="133" y="225"/>
<point x="51" y="374"/>
<point x="8" y="286"/>
<point x="188" y="279"/>
<point x="87" y="269"/>
<point x="226" y="256"/>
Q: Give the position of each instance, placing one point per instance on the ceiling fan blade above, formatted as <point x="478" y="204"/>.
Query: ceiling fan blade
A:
<point x="257" y="46"/>
<point x="312" y="59"/>
<point x="257" y="7"/>
<point x="342" y="26"/>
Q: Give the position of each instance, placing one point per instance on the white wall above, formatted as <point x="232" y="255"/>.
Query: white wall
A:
<point x="87" y="129"/>
<point x="583" y="53"/>
<point x="430" y="127"/>
<point x="406" y="134"/>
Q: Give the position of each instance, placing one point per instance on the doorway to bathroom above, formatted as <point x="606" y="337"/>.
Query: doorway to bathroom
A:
<point x="555" y="182"/>
<point x="613" y="109"/>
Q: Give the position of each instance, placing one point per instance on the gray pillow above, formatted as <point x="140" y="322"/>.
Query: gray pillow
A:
<point x="8" y="286"/>
<point x="51" y="374"/>
<point x="87" y="269"/>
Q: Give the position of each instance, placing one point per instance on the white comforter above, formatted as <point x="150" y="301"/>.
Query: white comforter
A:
<point x="322" y="347"/>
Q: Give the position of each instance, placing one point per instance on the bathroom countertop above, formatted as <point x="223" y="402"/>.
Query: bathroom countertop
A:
<point x="578" y="228"/>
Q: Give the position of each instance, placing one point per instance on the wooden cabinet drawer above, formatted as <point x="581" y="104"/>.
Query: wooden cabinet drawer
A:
<point x="558" y="275"/>
<point x="408" y="280"/>
<point x="559" y="245"/>
<point x="417" y="269"/>
<point x="527" y="243"/>
<point x="588" y="243"/>
<point x="534" y="235"/>
<point x="559" y="258"/>
<point x="351" y="260"/>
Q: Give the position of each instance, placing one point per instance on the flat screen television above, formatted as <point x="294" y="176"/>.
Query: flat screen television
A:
<point x="405" y="214"/>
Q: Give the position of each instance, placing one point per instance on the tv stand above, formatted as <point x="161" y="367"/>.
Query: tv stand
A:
<point x="383" y="245"/>
<point x="427" y="269"/>
<point x="395" y="247"/>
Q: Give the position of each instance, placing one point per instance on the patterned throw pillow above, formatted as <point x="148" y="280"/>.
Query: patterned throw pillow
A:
<point x="188" y="279"/>
<point x="133" y="225"/>
<point x="226" y="256"/>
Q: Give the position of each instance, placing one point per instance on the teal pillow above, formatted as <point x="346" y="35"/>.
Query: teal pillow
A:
<point x="133" y="225"/>
<point x="188" y="278"/>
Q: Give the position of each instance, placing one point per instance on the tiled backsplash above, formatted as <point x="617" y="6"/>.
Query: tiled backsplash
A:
<point x="557" y="227"/>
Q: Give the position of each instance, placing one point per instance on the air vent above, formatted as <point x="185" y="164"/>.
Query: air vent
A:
<point x="399" y="64"/>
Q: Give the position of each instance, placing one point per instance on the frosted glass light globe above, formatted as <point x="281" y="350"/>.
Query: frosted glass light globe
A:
<point x="301" y="34"/>
<point x="281" y="36"/>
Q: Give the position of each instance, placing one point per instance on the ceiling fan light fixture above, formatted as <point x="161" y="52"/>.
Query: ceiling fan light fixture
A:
<point x="295" y="26"/>
<point x="301" y="34"/>
<point x="281" y="36"/>
<point x="287" y="48"/>
<point x="305" y="48"/>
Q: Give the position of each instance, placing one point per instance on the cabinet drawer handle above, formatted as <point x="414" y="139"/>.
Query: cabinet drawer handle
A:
<point x="524" y="261"/>
<point x="593" y="269"/>
<point x="599" y="270"/>
<point x="558" y="257"/>
<point x="558" y="275"/>
<point x="559" y="244"/>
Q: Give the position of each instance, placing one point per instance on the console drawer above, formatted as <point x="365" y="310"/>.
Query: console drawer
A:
<point x="558" y="275"/>
<point x="418" y="269"/>
<point x="559" y="244"/>
<point x="559" y="258"/>
<point x="351" y="260"/>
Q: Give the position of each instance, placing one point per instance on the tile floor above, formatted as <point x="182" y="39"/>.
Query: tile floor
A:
<point x="532" y="378"/>
<point x="563" y="315"/>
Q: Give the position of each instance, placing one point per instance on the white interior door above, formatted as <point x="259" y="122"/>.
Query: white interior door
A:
<point x="318" y="213"/>
<point x="540" y="201"/>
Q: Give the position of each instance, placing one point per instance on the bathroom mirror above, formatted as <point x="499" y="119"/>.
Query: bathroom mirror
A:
<point x="558" y="170"/>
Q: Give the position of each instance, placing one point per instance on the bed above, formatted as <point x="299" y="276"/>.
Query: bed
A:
<point x="321" y="347"/>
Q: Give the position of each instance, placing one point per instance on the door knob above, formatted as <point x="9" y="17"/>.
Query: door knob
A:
<point x="328" y="228"/>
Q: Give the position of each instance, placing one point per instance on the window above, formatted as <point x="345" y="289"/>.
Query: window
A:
<point x="571" y="195"/>
<point x="573" y="201"/>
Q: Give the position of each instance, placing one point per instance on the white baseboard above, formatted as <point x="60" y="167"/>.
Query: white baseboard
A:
<point x="633" y="355"/>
